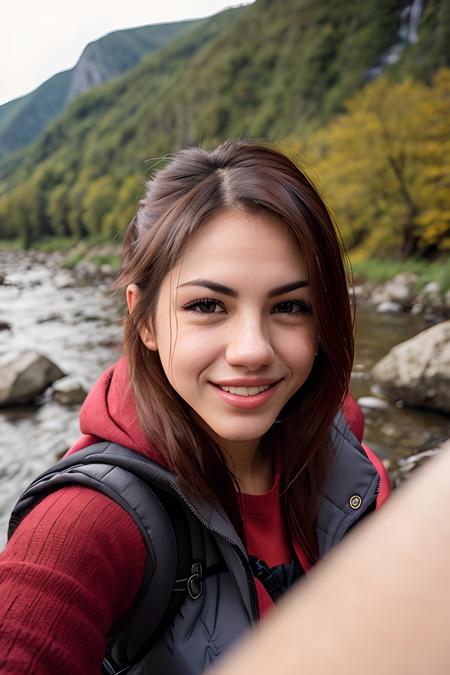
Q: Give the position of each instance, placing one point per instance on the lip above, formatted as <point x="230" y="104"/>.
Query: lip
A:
<point x="246" y="402"/>
<point x="246" y="382"/>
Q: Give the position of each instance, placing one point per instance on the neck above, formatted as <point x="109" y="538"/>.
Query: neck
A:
<point x="251" y="463"/>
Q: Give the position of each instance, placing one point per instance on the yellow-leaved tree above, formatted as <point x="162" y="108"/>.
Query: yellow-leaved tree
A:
<point x="385" y="167"/>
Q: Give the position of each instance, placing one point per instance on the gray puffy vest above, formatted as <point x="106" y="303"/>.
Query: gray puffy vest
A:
<point x="220" y="606"/>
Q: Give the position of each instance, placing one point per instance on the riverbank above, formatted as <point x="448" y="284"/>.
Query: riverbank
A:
<point x="373" y="271"/>
<point x="416" y="287"/>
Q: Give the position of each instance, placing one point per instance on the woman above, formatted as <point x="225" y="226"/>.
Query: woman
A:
<point x="238" y="352"/>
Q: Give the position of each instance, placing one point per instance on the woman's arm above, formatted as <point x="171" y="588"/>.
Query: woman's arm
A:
<point x="73" y="566"/>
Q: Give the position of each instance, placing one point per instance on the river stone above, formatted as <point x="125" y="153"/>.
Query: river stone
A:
<point x="373" y="403"/>
<point x="379" y="295"/>
<point x="63" y="280"/>
<point x="431" y="296"/>
<point x="402" y="289"/>
<point x="418" y="370"/>
<point x="86" y="268"/>
<point x="69" y="390"/>
<point x="25" y="375"/>
<point x="389" y="306"/>
<point x="106" y="270"/>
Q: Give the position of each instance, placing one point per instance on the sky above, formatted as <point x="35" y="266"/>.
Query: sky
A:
<point x="39" y="38"/>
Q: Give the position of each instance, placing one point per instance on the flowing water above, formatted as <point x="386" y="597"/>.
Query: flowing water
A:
<point x="78" y="327"/>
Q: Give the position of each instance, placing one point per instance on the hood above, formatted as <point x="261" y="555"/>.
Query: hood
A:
<point x="109" y="414"/>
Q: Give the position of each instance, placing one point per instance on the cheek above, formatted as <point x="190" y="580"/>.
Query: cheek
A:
<point x="191" y="354"/>
<point x="299" y="351"/>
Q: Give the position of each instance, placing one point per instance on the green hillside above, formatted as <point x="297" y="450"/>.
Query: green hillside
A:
<point x="272" y="69"/>
<point x="23" y="119"/>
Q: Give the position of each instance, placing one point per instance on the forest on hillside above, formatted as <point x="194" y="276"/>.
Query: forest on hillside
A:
<point x="378" y="145"/>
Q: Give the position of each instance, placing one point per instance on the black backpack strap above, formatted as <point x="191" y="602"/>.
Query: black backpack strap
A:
<point x="169" y="570"/>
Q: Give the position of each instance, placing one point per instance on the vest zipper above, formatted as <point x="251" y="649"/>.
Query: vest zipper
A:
<point x="236" y="548"/>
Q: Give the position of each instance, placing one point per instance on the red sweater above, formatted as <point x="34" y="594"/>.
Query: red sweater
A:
<point x="76" y="562"/>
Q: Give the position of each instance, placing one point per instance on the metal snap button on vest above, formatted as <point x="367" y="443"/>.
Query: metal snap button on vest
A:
<point x="355" y="502"/>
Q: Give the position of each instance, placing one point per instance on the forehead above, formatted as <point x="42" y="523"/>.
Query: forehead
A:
<point x="234" y="238"/>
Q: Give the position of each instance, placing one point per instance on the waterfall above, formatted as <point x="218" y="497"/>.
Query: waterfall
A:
<point x="408" y="33"/>
<point x="414" y="20"/>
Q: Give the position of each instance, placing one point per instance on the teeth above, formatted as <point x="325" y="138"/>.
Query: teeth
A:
<point x="246" y="391"/>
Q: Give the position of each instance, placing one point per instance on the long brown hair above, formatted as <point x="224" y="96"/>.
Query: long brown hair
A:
<point x="179" y="198"/>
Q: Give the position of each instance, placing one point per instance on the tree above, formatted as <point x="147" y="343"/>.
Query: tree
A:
<point x="386" y="166"/>
<point x="124" y="206"/>
<point x="57" y="210"/>
<point x="97" y="203"/>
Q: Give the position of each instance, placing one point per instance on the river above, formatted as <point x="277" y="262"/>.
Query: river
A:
<point x="78" y="327"/>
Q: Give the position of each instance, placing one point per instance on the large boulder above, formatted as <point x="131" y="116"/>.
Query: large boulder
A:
<point x="418" y="371"/>
<point x="25" y="375"/>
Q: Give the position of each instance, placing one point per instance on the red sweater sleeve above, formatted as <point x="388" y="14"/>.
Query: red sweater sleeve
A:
<point x="73" y="566"/>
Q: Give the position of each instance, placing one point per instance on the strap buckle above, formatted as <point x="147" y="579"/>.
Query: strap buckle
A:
<point x="195" y="581"/>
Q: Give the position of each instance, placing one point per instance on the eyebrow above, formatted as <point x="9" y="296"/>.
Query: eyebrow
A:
<point x="219" y="288"/>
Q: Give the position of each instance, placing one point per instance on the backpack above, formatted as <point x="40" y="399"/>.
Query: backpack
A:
<point x="175" y="566"/>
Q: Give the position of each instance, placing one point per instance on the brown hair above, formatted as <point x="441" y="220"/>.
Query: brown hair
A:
<point x="179" y="198"/>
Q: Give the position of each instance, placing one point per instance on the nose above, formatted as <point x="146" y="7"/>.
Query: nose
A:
<point x="249" y="344"/>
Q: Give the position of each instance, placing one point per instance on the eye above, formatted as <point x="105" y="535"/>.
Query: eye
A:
<point x="292" y="307"/>
<point x="205" y="306"/>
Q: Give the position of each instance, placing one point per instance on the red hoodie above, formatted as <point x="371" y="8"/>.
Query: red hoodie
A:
<point x="76" y="562"/>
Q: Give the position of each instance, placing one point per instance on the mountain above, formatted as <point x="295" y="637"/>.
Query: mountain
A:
<point x="270" y="69"/>
<point x="23" y="119"/>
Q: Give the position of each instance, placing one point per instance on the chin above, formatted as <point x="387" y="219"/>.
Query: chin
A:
<point x="242" y="435"/>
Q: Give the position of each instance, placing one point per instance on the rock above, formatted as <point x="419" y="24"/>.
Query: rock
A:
<point x="86" y="268"/>
<point x="379" y="295"/>
<point x="431" y="296"/>
<point x="418" y="371"/>
<point x="389" y="306"/>
<point x="54" y="316"/>
<point x="2" y="278"/>
<point x="447" y="300"/>
<point x="25" y="375"/>
<point x="391" y="431"/>
<point x="399" y="292"/>
<point x="431" y="287"/>
<point x="106" y="270"/>
<point x="69" y="390"/>
<point x="402" y="289"/>
<point x="4" y="325"/>
<point x="63" y="280"/>
<point x="417" y="308"/>
<point x="372" y="403"/>
<point x="358" y="291"/>
<point x="89" y="314"/>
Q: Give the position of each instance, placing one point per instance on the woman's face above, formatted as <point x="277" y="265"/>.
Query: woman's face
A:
<point x="234" y="325"/>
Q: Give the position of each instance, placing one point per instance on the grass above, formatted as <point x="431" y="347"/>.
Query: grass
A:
<point x="7" y="245"/>
<point x="72" y="261"/>
<point x="378" y="271"/>
<point x="113" y="259"/>
<point x="54" y="244"/>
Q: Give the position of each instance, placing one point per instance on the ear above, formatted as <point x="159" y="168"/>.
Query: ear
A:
<point x="146" y="331"/>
